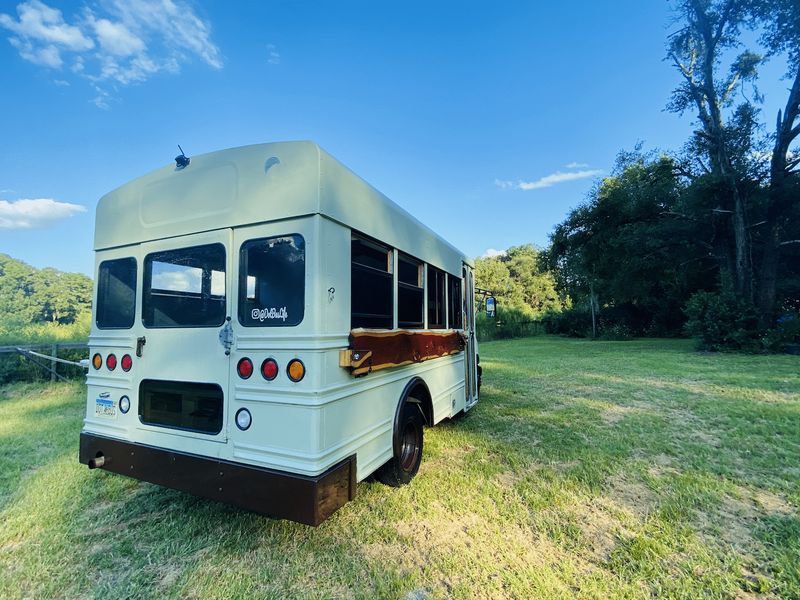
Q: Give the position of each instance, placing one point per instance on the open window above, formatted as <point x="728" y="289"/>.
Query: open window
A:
<point x="371" y="301"/>
<point x="410" y="293"/>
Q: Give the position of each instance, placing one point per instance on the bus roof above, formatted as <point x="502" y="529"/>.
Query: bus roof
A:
<point x="256" y="184"/>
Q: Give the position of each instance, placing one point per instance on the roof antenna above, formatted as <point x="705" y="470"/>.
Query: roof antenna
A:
<point x="181" y="161"/>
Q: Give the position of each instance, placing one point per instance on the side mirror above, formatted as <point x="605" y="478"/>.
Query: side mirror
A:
<point x="491" y="307"/>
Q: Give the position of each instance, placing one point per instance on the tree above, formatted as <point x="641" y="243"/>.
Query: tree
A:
<point x="710" y="28"/>
<point x="521" y="280"/>
<point x="29" y="295"/>
<point x="782" y="36"/>
<point x="635" y="248"/>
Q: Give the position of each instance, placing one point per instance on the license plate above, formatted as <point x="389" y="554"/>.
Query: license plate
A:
<point x="105" y="407"/>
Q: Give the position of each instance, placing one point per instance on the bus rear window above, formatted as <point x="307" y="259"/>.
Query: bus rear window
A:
<point x="185" y="287"/>
<point x="116" y="293"/>
<point x="181" y="405"/>
<point x="272" y="281"/>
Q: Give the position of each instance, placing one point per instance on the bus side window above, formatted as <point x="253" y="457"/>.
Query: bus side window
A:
<point x="410" y="294"/>
<point x="371" y="298"/>
<point x="436" y="307"/>
<point x="454" y="296"/>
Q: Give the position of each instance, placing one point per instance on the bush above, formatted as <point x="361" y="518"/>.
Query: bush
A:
<point x="615" y="332"/>
<point x="722" y="322"/>
<point x="785" y="336"/>
<point x="573" y="322"/>
<point x="509" y="323"/>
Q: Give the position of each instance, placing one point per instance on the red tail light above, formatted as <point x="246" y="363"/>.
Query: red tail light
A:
<point x="111" y="362"/>
<point x="126" y="363"/>
<point x="245" y="368"/>
<point x="269" y="369"/>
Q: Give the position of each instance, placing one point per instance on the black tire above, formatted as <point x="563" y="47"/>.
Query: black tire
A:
<point x="402" y="467"/>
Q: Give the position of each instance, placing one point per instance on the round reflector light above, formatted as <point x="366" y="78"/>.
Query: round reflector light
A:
<point x="243" y="419"/>
<point x="126" y="363"/>
<point x="111" y="362"/>
<point x="296" y="370"/>
<point x="97" y="361"/>
<point x="245" y="368"/>
<point x="124" y="405"/>
<point x="269" y="369"/>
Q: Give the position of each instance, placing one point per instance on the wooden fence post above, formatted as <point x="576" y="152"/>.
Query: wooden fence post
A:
<point x="53" y="364"/>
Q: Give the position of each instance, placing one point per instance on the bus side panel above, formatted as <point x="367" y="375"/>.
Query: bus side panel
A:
<point x="358" y="416"/>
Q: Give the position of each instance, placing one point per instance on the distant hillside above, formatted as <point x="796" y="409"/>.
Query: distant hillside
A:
<point x="31" y="296"/>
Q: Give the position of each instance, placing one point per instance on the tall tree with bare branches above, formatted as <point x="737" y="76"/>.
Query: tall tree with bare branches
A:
<point x="781" y="19"/>
<point x="709" y="30"/>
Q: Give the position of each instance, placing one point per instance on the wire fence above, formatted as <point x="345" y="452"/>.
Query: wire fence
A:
<point x="41" y="362"/>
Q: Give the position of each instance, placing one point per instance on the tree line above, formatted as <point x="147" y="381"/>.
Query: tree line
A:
<point x="704" y="240"/>
<point x="41" y="297"/>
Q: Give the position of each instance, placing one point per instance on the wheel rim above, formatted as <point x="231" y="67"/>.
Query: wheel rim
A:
<point x="409" y="449"/>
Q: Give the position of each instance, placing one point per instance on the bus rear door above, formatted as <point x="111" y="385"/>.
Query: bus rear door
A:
<point x="183" y="371"/>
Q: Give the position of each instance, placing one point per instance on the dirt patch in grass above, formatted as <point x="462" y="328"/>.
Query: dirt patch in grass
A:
<point x="601" y="527"/>
<point x="632" y="495"/>
<point x="615" y="413"/>
<point x="738" y="515"/>
<point x="499" y="552"/>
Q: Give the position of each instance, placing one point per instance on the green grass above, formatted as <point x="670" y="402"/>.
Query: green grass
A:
<point x="589" y="469"/>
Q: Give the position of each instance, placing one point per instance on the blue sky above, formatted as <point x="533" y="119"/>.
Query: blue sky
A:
<point x="487" y="121"/>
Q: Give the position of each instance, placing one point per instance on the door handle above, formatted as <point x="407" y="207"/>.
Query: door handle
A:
<point x="226" y="336"/>
<point x="140" y="342"/>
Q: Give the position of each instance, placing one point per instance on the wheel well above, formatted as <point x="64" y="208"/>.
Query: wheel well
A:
<point x="417" y="390"/>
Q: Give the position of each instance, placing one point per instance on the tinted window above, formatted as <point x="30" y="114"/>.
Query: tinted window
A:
<point x="185" y="287"/>
<point x="116" y="293"/>
<point x="455" y="312"/>
<point x="272" y="276"/>
<point x="410" y="294"/>
<point x="181" y="405"/>
<point x="371" y="301"/>
<point x="436" y="306"/>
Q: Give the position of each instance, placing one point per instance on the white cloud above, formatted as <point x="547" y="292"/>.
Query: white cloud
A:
<point x="115" y="38"/>
<point x="35" y="213"/>
<point x="576" y="165"/>
<point x="46" y="56"/>
<point x="39" y="23"/>
<point x="273" y="56"/>
<point x="116" y="41"/>
<point x="547" y="180"/>
<point x="492" y="253"/>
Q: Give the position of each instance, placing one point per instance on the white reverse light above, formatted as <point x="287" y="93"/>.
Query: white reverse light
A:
<point x="243" y="419"/>
<point x="124" y="405"/>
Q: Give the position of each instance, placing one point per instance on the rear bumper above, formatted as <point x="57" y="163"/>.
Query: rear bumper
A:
<point x="308" y="500"/>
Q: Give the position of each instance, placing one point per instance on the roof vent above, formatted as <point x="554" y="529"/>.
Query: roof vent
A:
<point x="271" y="162"/>
<point x="181" y="161"/>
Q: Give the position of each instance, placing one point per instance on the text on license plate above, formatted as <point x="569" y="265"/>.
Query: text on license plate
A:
<point x="105" y="407"/>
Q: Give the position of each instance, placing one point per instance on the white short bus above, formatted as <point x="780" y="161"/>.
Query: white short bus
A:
<point x="268" y="330"/>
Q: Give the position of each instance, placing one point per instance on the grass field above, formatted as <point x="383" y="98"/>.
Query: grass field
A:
<point x="590" y="469"/>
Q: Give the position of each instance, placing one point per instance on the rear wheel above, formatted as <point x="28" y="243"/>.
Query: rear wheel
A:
<point x="402" y="467"/>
